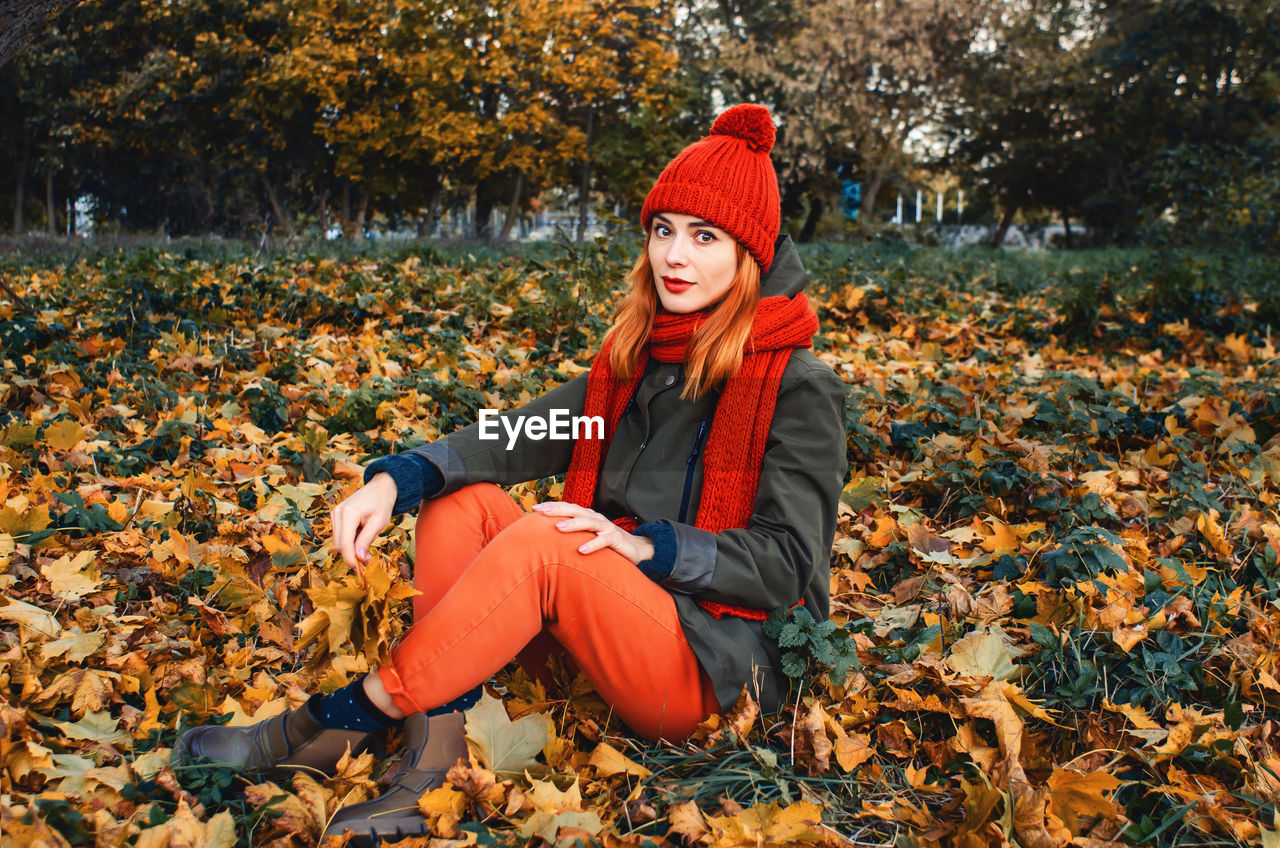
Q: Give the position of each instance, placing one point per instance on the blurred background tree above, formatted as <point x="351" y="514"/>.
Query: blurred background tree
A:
<point x="1128" y="116"/>
<point x="854" y="82"/>
<point x="1140" y="121"/>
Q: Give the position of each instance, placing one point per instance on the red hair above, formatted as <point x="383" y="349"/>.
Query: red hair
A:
<point x="718" y="344"/>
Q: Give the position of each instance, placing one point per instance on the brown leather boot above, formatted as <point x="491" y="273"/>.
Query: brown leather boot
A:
<point x="432" y="746"/>
<point x="273" y="747"/>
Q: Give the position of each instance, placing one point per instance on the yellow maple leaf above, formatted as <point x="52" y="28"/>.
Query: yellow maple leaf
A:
<point x="71" y="579"/>
<point x="917" y="778"/>
<point x="444" y="808"/>
<point x="505" y="747"/>
<point x="1076" y="794"/>
<point x="968" y="741"/>
<point x="355" y="609"/>
<point x="986" y="652"/>
<point x="75" y="644"/>
<point x="23" y="757"/>
<point x="1008" y="538"/>
<point x="290" y="812"/>
<point x="795" y="824"/>
<point x="184" y="830"/>
<point x="686" y="820"/>
<point x="1209" y="527"/>
<point x="554" y="809"/>
<point x="991" y="703"/>
<point x="1138" y="715"/>
<point x="608" y="761"/>
<point x="95" y="726"/>
<point x="64" y="435"/>
<point x="1126" y="637"/>
<point x="852" y="750"/>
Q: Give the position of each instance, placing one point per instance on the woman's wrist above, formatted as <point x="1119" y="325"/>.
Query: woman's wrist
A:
<point x="415" y="478"/>
<point x="646" y="549"/>
<point x="662" y="537"/>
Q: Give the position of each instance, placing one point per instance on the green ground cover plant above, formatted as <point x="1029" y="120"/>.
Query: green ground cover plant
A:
<point x="1055" y="581"/>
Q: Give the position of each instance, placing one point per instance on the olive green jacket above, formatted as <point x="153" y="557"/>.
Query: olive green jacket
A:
<point x="653" y="472"/>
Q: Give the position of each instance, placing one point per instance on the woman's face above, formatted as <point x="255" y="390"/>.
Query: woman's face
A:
<point x="694" y="262"/>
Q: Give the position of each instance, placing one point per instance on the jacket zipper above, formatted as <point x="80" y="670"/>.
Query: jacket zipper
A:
<point x="688" y="474"/>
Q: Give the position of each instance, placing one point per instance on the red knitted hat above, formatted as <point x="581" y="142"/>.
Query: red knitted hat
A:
<point x="726" y="179"/>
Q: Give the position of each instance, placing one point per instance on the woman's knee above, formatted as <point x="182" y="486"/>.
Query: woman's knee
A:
<point x="535" y="533"/>
<point x="533" y="551"/>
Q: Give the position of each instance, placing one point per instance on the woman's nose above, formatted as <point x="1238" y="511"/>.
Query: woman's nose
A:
<point x="676" y="251"/>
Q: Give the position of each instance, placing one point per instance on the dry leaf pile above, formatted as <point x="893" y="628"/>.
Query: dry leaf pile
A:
<point x="1058" y="562"/>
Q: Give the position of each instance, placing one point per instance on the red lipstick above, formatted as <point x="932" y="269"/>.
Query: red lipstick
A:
<point x="676" y="285"/>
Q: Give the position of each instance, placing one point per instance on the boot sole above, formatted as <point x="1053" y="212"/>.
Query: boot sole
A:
<point x="365" y="834"/>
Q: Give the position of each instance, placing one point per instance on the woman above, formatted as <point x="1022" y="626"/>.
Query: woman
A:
<point x="708" y="500"/>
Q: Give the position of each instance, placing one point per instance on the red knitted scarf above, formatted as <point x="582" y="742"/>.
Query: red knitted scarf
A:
<point x="735" y="445"/>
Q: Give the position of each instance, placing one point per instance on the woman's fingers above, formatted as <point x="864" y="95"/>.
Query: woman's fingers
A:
<point x="563" y="508"/>
<point x="580" y="519"/>
<point x="585" y="522"/>
<point x="369" y="531"/>
<point x="602" y="539"/>
<point x="335" y="520"/>
<point x="607" y="535"/>
<point x="576" y="517"/>
<point x="359" y="519"/>
<point x="344" y="534"/>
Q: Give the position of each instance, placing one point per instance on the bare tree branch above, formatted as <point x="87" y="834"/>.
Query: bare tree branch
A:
<point x="22" y="21"/>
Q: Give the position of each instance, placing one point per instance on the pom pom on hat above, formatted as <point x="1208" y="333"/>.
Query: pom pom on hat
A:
<point x="749" y="122"/>
<point x="727" y="179"/>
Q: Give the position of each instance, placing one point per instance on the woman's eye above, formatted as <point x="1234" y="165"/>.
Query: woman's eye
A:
<point x="661" y="231"/>
<point x="705" y="237"/>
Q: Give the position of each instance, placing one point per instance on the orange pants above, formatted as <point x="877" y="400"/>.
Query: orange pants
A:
<point x="497" y="582"/>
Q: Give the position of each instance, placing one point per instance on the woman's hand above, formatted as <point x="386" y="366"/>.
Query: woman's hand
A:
<point x="359" y="519"/>
<point x="608" y="535"/>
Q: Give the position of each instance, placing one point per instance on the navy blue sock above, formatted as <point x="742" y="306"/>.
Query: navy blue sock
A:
<point x="349" y="708"/>
<point x="463" y="702"/>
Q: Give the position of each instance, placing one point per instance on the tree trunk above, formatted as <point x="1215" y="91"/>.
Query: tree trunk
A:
<point x="513" y="208"/>
<point x="208" y="201"/>
<point x="324" y="214"/>
<point x="584" y="184"/>
<point x="1066" y="229"/>
<point x="868" y="206"/>
<point x="997" y="240"/>
<point x="811" y="220"/>
<point x="21" y="21"/>
<point x="428" y="226"/>
<point x="346" y="209"/>
<point x="20" y="190"/>
<point x="362" y="214"/>
<point x="282" y="214"/>
<point x="484" y="209"/>
<point x="51" y="211"/>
